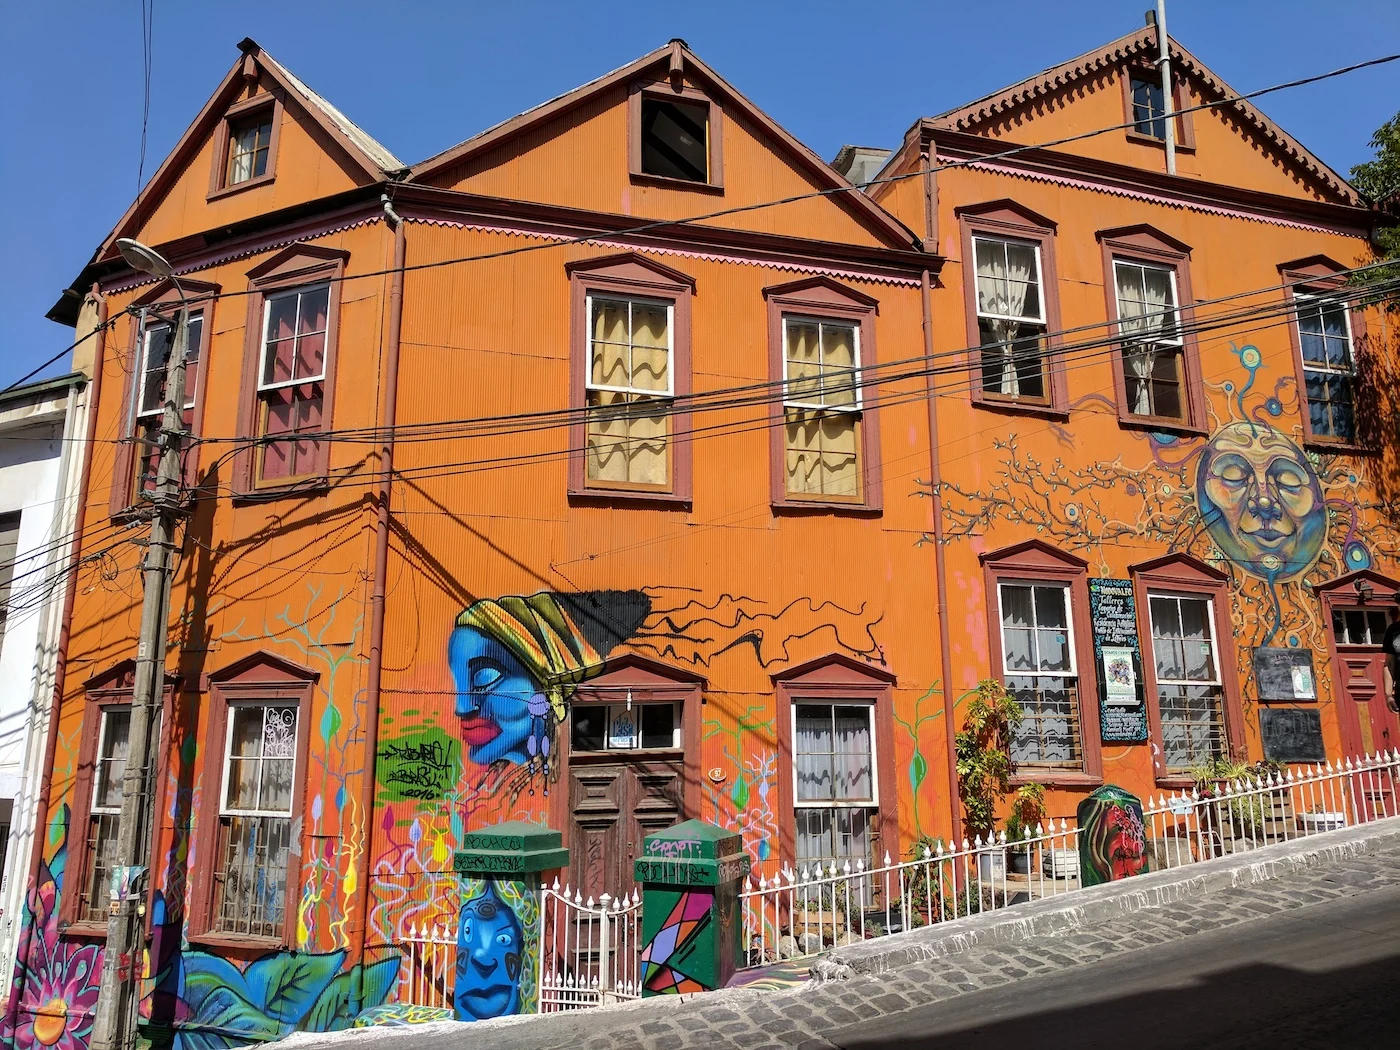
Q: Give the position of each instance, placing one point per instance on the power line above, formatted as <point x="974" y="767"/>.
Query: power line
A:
<point x="61" y="354"/>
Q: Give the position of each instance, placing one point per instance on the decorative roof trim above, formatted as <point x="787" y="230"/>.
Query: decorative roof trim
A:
<point x="1153" y="198"/>
<point x="625" y="245"/>
<point x="1114" y="54"/>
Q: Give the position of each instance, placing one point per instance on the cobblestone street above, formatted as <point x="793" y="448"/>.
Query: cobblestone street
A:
<point x="1359" y="896"/>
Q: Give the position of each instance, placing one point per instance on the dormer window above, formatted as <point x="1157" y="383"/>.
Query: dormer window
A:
<point x="248" y="147"/>
<point x="1149" y="109"/>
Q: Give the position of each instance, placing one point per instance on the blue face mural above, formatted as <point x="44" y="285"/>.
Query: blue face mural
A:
<point x="490" y="949"/>
<point x="503" y="710"/>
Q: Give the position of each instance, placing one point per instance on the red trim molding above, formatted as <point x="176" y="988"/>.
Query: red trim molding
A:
<point x="1034" y="561"/>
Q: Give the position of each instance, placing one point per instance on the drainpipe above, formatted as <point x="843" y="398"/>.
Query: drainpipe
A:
<point x="70" y="592"/>
<point x="940" y="565"/>
<point x="381" y="571"/>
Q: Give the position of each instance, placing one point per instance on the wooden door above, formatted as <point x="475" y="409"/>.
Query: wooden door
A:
<point x="1368" y="724"/>
<point x="613" y="806"/>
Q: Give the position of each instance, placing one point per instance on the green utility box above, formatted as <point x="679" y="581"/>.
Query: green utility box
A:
<point x="691" y="927"/>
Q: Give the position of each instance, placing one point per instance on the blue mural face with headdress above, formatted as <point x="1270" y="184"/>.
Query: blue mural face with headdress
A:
<point x="490" y="947"/>
<point x="501" y="707"/>
<point x="1261" y="500"/>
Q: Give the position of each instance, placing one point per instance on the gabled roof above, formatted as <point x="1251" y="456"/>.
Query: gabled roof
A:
<point x="1143" y="44"/>
<point x="375" y="162"/>
<point x="677" y="56"/>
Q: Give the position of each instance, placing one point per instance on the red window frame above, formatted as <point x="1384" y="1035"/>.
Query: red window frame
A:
<point x="297" y="267"/>
<point x="238" y="114"/>
<point x="1182" y="574"/>
<point x="1185" y="129"/>
<point x="113" y="688"/>
<point x="1148" y="245"/>
<point x="259" y="677"/>
<point x="820" y="298"/>
<point x="1035" y="562"/>
<point x="830" y="680"/>
<point x="634" y="275"/>
<point x="1317" y="275"/>
<point x="1006" y="220"/>
<point x="674" y="90"/>
<point x="164" y="300"/>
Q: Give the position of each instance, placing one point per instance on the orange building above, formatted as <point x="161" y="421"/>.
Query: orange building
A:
<point x="576" y="480"/>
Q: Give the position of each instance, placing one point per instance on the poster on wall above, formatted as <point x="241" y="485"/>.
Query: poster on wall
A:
<point x="1284" y="674"/>
<point x="1122" y="714"/>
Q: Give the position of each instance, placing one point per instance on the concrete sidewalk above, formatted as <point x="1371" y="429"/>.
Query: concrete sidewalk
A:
<point x="876" y="978"/>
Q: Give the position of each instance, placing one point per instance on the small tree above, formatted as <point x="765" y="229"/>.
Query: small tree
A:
<point x="1378" y="181"/>
<point x="984" y="755"/>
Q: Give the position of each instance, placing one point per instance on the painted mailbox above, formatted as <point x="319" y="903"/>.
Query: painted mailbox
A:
<point x="690" y="877"/>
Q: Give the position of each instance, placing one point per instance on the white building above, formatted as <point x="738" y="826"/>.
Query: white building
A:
<point x="43" y="432"/>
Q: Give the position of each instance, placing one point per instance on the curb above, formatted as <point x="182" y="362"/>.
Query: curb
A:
<point x="1112" y="900"/>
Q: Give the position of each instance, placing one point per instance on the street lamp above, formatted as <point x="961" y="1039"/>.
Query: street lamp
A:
<point x="114" y="1026"/>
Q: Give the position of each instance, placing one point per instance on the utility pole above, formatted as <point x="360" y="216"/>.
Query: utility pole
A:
<point x="1164" y="62"/>
<point x="114" y="1027"/>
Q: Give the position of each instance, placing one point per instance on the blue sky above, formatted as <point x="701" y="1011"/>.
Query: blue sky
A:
<point x="421" y="75"/>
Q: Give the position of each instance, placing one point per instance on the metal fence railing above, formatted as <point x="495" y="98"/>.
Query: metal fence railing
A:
<point x="806" y="911"/>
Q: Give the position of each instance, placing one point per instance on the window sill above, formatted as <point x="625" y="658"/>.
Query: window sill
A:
<point x="239" y="187"/>
<point x="1153" y="140"/>
<point x="235" y="941"/>
<point x="309" y="486"/>
<point x="641" y="178"/>
<point x="1175" y="781"/>
<point x="1335" y="447"/>
<point x="800" y="507"/>
<point x="628" y="498"/>
<point x="87" y="931"/>
<point x="1011" y="406"/>
<point x="1057" y="778"/>
<point x="1157" y="425"/>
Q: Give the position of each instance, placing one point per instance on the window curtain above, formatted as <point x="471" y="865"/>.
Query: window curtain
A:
<point x="1144" y="296"/>
<point x="1002" y="282"/>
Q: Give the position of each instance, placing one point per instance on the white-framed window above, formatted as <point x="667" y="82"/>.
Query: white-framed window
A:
<point x="1038" y="665"/>
<point x="255" y="818"/>
<point x="821" y="406"/>
<point x="1329" y="368"/>
<point x="108" y="768"/>
<point x="1190" y="694"/>
<point x="292" y="378"/>
<point x="835" y="789"/>
<point x="1010" y="317"/>
<point x="1358" y="626"/>
<point x="1149" y="325"/>
<point x="629" y="387"/>
<point x="157" y="342"/>
<point x="625" y="727"/>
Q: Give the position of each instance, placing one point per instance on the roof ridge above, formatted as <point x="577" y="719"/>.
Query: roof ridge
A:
<point x="372" y="147"/>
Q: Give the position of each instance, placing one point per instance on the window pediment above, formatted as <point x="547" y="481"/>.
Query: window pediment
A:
<point x="1144" y="237"/>
<point x="632" y="267"/>
<point x="297" y="259"/>
<point x="1181" y="567"/>
<point x="1030" y="555"/>
<point x="835" y="669"/>
<point x="1006" y="212"/>
<point x="264" y="668"/>
<point x="821" y="291"/>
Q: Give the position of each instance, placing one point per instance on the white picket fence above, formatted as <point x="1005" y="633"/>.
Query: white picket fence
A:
<point x="809" y="910"/>
<point x="589" y="953"/>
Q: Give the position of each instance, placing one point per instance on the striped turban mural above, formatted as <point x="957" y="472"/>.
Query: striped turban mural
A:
<point x="518" y="660"/>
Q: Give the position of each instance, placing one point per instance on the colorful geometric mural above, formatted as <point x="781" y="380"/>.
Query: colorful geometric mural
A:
<point x="678" y="949"/>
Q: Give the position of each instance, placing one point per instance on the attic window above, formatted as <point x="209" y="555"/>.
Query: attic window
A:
<point x="675" y="136"/>
<point x="675" y="139"/>
<point x="249" y="143"/>
<point x="1149" y="109"/>
<point x="245" y="149"/>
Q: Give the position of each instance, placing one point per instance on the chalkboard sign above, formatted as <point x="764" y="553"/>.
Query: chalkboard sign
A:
<point x="1122" y="718"/>
<point x="1292" y="734"/>
<point x="1285" y="674"/>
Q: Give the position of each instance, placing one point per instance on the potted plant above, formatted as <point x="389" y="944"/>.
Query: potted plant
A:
<point x="1027" y="813"/>
<point x="983" y="748"/>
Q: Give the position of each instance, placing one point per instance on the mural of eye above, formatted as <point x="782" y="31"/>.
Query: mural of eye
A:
<point x="485" y="673"/>
<point x="504" y="939"/>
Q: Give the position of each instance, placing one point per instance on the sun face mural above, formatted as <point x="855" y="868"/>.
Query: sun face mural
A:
<point x="1261" y="500"/>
